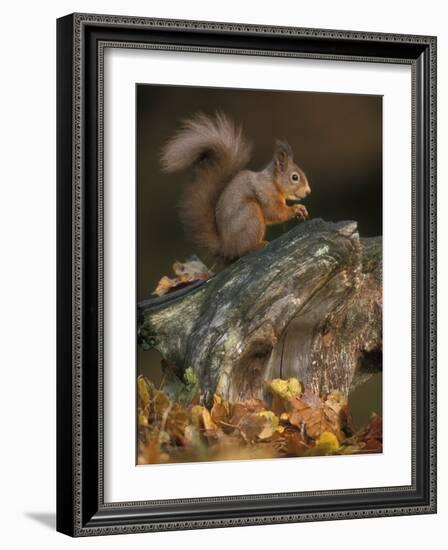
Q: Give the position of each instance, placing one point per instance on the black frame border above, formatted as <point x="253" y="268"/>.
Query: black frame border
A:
<point x="81" y="39"/>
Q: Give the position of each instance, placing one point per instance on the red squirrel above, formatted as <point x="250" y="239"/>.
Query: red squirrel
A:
<point x="227" y="207"/>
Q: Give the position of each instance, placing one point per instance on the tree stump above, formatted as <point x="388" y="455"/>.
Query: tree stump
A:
<point x="308" y="305"/>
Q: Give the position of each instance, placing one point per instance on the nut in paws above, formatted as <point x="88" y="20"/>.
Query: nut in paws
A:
<point x="300" y="211"/>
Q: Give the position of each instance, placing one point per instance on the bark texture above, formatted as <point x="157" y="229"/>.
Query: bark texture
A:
<point x="308" y="305"/>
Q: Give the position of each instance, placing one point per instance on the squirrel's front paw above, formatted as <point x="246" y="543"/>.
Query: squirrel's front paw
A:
<point x="300" y="211"/>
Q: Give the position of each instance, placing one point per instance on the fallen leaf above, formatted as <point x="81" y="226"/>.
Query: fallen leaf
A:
<point x="160" y="403"/>
<point x="271" y="424"/>
<point x="209" y="426"/>
<point x="191" y="267"/>
<point x="220" y="411"/>
<point x="286" y="389"/>
<point x="316" y="415"/>
<point x="372" y="436"/>
<point x="251" y="426"/>
<point x="282" y="392"/>
<point x="239" y="410"/>
<point x="172" y="429"/>
<point x="143" y="392"/>
<point x="186" y="273"/>
<point x="196" y="414"/>
<point x="327" y="443"/>
<point x="367" y="440"/>
<point x="295" y="444"/>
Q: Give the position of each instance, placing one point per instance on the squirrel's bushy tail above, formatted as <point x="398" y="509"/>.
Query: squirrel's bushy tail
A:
<point x="217" y="150"/>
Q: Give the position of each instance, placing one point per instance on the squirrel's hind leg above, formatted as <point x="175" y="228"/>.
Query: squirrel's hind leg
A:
<point x="243" y="231"/>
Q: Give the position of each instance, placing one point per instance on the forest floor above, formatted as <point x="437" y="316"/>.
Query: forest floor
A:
<point x="173" y="425"/>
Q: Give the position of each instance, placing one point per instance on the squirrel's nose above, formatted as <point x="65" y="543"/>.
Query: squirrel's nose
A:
<point x="308" y="191"/>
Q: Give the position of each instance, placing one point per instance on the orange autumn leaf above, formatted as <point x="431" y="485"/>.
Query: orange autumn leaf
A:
<point x="316" y="415"/>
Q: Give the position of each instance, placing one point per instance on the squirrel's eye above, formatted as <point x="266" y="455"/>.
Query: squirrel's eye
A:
<point x="295" y="177"/>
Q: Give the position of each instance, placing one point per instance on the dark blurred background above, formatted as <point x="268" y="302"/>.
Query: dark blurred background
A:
<point x="336" y="139"/>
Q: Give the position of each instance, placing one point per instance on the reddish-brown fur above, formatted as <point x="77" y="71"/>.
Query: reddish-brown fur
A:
<point x="227" y="208"/>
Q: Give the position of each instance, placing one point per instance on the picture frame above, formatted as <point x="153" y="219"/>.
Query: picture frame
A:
<point x="81" y="506"/>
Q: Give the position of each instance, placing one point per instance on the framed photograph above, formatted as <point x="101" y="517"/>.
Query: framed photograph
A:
<point x="246" y="274"/>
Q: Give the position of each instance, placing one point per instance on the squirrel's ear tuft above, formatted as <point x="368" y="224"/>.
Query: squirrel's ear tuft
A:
<point x="283" y="154"/>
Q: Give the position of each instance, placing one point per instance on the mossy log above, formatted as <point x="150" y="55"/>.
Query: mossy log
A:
<point x="307" y="305"/>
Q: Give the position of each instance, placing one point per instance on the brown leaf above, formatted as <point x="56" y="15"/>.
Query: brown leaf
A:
<point x="238" y="410"/>
<point x="271" y="424"/>
<point x="279" y="405"/>
<point x="160" y="403"/>
<point x="176" y="422"/>
<point x="373" y="435"/>
<point x="311" y="399"/>
<point x="251" y="425"/>
<point x="295" y="444"/>
<point x="316" y="415"/>
<point x="368" y="440"/>
<point x="346" y="420"/>
<point x="221" y="410"/>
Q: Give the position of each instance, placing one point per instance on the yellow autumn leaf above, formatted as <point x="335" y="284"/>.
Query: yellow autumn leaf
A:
<point x="286" y="389"/>
<point x="163" y="286"/>
<point x="209" y="425"/>
<point x="271" y="417"/>
<point x="142" y="420"/>
<point x="196" y="416"/>
<point x="327" y="443"/>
